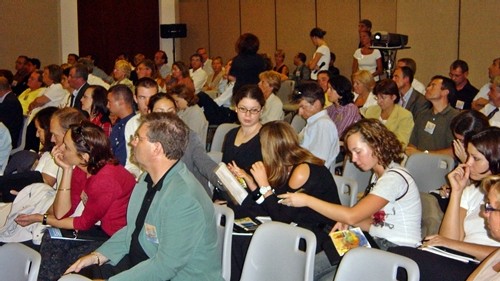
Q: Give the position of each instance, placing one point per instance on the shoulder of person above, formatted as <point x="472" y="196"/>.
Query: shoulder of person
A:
<point x="299" y="176"/>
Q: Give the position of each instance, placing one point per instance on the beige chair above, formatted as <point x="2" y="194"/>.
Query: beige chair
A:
<point x="224" y="217"/>
<point x="218" y="140"/>
<point x="73" y="277"/>
<point x="19" y="262"/>
<point x="429" y="170"/>
<point x="347" y="189"/>
<point x="274" y="254"/>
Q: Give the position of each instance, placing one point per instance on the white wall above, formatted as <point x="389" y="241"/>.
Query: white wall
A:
<point x="68" y="23"/>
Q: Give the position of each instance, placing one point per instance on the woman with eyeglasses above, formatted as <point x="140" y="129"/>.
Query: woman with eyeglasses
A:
<point x="462" y="228"/>
<point x="389" y="112"/>
<point x="93" y="188"/>
<point x="490" y="267"/>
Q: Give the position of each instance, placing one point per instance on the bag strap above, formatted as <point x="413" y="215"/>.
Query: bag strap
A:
<point x="407" y="184"/>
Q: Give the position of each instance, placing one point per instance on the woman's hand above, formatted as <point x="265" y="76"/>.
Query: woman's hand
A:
<point x="57" y="154"/>
<point x="25" y="219"/>
<point x="339" y="226"/>
<point x="240" y="173"/>
<point x="444" y="191"/>
<point x="460" y="151"/>
<point x="436" y="240"/>
<point x="82" y="262"/>
<point x="259" y="173"/>
<point x="459" y="178"/>
<point x="297" y="199"/>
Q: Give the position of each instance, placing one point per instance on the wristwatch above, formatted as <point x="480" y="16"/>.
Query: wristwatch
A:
<point x="264" y="189"/>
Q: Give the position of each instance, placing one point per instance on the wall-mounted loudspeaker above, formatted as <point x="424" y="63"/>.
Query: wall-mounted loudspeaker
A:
<point x="178" y="30"/>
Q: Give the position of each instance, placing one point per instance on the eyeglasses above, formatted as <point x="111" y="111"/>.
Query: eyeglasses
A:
<point x="252" y="111"/>
<point x="488" y="209"/>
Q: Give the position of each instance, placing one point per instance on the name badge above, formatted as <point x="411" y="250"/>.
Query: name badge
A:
<point x="460" y="104"/>
<point x="429" y="127"/>
<point x="151" y="235"/>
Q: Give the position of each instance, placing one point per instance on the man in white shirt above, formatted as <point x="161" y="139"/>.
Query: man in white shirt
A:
<point x="491" y="109"/>
<point x="320" y="134"/>
<point x="161" y="61"/>
<point x="54" y="95"/>
<point x="197" y="73"/>
<point x="417" y="85"/>
<point x="207" y="62"/>
<point x="481" y="99"/>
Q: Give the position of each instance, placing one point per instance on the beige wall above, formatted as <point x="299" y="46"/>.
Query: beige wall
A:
<point x="435" y="36"/>
<point x="29" y="28"/>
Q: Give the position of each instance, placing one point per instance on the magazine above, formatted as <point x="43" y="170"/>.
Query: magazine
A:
<point x="450" y="253"/>
<point x="344" y="240"/>
<point x="235" y="187"/>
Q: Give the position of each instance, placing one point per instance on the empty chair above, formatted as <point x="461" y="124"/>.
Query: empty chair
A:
<point x="286" y="91"/>
<point x="298" y="123"/>
<point x="73" y="277"/>
<point x="224" y="217"/>
<point x="429" y="170"/>
<point x="218" y="140"/>
<point x="352" y="172"/>
<point x="374" y="265"/>
<point x="347" y="189"/>
<point x="274" y="254"/>
<point x="21" y="143"/>
<point x="19" y="262"/>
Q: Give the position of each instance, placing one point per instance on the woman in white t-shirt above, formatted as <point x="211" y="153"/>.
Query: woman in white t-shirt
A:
<point x="366" y="58"/>
<point x="321" y="58"/>
<point x="390" y="210"/>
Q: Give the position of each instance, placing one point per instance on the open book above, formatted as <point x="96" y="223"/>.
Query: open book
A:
<point x="234" y="187"/>
<point x="450" y="253"/>
<point x="344" y="240"/>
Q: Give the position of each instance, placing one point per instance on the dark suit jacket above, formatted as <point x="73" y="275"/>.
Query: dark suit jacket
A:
<point x="417" y="103"/>
<point x="11" y="115"/>
<point x="77" y="102"/>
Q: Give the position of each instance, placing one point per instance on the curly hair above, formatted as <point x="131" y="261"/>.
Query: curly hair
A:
<point x="281" y="150"/>
<point x="384" y="143"/>
<point x="91" y="139"/>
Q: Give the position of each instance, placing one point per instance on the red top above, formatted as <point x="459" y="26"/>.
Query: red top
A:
<point x="106" y="126"/>
<point x="107" y="193"/>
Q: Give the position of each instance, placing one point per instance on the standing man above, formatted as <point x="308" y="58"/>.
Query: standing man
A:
<point x="161" y="61"/>
<point x="170" y="232"/>
<point x="121" y="104"/>
<point x="11" y="111"/>
<point x="77" y="79"/>
<point x="197" y="73"/>
<point x="465" y="92"/>
<point x="320" y="134"/>
<point x="205" y="59"/>
<point x="411" y="99"/>
<point x="432" y="133"/>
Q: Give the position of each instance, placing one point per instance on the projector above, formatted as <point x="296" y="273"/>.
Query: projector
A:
<point x="386" y="39"/>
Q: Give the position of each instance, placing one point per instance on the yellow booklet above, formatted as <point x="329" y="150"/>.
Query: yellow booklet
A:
<point x="344" y="240"/>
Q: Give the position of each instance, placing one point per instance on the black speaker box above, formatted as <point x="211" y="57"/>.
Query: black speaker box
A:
<point x="178" y="30"/>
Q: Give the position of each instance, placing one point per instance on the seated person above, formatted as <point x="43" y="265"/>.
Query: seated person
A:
<point x="462" y="228"/>
<point x="343" y="112"/>
<point x="93" y="181"/>
<point x="389" y="112"/>
<point x="5" y="147"/>
<point x="362" y="86"/>
<point x="286" y="167"/>
<point x="171" y="231"/>
<point x="390" y="209"/>
<point x="94" y="104"/>
<point x="270" y="83"/>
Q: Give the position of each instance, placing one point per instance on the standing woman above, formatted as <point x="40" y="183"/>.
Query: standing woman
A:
<point x="390" y="210"/>
<point x="389" y="112"/>
<point x="366" y="58"/>
<point x="93" y="181"/>
<point x="321" y="58"/>
<point x="94" y="103"/>
<point x="247" y="64"/>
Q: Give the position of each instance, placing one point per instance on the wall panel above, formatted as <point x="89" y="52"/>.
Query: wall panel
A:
<point x="194" y="13"/>
<point x="433" y="35"/>
<point x="295" y="19"/>
<point x="340" y="19"/>
<point x="224" y="28"/>
<point x="30" y="28"/>
<point x="382" y="14"/>
<point x="479" y="40"/>
<point x="258" y="17"/>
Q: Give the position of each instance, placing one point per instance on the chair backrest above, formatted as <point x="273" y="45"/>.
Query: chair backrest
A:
<point x="73" y="277"/>
<point x="286" y="90"/>
<point x="224" y="217"/>
<point x="21" y="142"/>
<point x="347" y="189"/>
<point x="429" y="170"/>
<point x="21" y="161"/>
<point x="374" y="265"/>
<point x="352" y="172"/>
<point x="298" y="123"/>
<point x="220" y="134"/>
<point x="19" y="262"/>
<point x="274" y="254"/>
